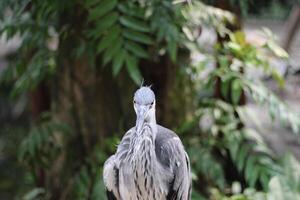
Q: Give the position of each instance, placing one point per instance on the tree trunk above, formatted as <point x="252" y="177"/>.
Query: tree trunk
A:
<point x="291" y="27"/>
<point x="98" y="106"/>
<point x="39" y="103"/>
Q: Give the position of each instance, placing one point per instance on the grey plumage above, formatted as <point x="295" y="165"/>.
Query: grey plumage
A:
<point x="150" y="162"/>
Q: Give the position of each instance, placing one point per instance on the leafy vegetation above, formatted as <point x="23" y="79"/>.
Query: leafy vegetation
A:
<point x="70" y="46"/>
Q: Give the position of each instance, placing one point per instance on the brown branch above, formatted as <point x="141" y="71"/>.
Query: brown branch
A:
<point x="291" y="27"/>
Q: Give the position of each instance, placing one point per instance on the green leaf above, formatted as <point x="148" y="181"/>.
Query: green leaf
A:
<point x="235" y="48"/>
<point x="90" y="3"/>
<point x="137" y="37"/>
<point x="172" y="50"/>
<point x="84" y="177"/>
<point x="132" y="68"/>
<point x="277" y="77"/>
<point x="136" y="49"/>
<point x="224" y="62"/>
<point x="34" y="194"/>
<point x="132" y="10"/>
<point x="38" y="139"/>
<point x="236" y="91"/>
<point x="102" y="9"/>
<point x="250" y="168"/>
<point x="241" y="159"/>
<point x="234" y="149"/>
<point x="238" y="37"/>
<point x="118" y="62"/>
<point x="109" y="53"/>
<point x="109" y="39"/>
<point x="134" y="24"/>
<point x="7" y="74"/>
<point x="105" y="23"/>
<point x="277" y="50"/>
<point x="225" y="88"/>
<point x="31" y="145"/>
<point x="98" y="191"/>
<point x="253" y="176"/>
<point x="264" y="179"/>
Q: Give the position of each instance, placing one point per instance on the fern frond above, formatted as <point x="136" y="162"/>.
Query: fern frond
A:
<point x="200" y="14"/>
<point x="286" y="185"/>
<point x="210" y="170"/>
<point x="252" y="157"/>
<point x="246" y="148"/>
<point x="277" y="109"/>
<point x="37" y="69"/>
<point x="258" y="91"/>
<point x="122" y="34"/>
<point x="167" y="27"/>
<point x="34" y="60"/>
<point x="40" y="145"/>
<point x="88" y="183"/>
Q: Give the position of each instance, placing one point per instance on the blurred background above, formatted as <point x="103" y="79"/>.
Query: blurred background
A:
<point x="226" y="74"/>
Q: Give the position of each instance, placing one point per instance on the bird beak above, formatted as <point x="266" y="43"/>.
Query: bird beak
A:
<point x="141" y="112"/>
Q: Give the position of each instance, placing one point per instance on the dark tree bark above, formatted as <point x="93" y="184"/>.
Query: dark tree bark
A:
<point x="160" y="75"/>
<point x="291" y="27"/>
<point x="39" y="103"/>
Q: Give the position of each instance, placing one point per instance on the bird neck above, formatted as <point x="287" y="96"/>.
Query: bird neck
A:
<point x="142" y="140"/>
<point x="151" y="118"/>
<point x="151" y="121"/>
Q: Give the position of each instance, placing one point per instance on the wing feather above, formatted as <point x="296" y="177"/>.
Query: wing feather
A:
<point x="111" y="178"/>
<point x="111" y="168"/>
<point x="110" y="195"/>
<point x="173" y="151"/>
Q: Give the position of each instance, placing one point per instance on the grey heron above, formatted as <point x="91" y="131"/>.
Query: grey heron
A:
<point x="150" y="162"/>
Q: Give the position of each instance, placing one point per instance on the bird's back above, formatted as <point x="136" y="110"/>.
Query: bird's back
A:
<point x="168" y="160"/>
<point x="162" y="137"/>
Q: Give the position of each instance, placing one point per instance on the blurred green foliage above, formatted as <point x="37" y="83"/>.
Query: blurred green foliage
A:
<point x="268" y="9"/>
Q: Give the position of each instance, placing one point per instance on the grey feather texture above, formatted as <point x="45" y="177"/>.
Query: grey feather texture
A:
<point x="151" y="165"/>
<point x="144" y="95"/>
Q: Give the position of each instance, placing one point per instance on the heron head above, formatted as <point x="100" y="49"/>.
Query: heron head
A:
<point x="144" y="106"/>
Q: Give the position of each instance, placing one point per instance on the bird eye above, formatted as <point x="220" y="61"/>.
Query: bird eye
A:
<point x="152" y="103"/>
<point x="134" y="101"/>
